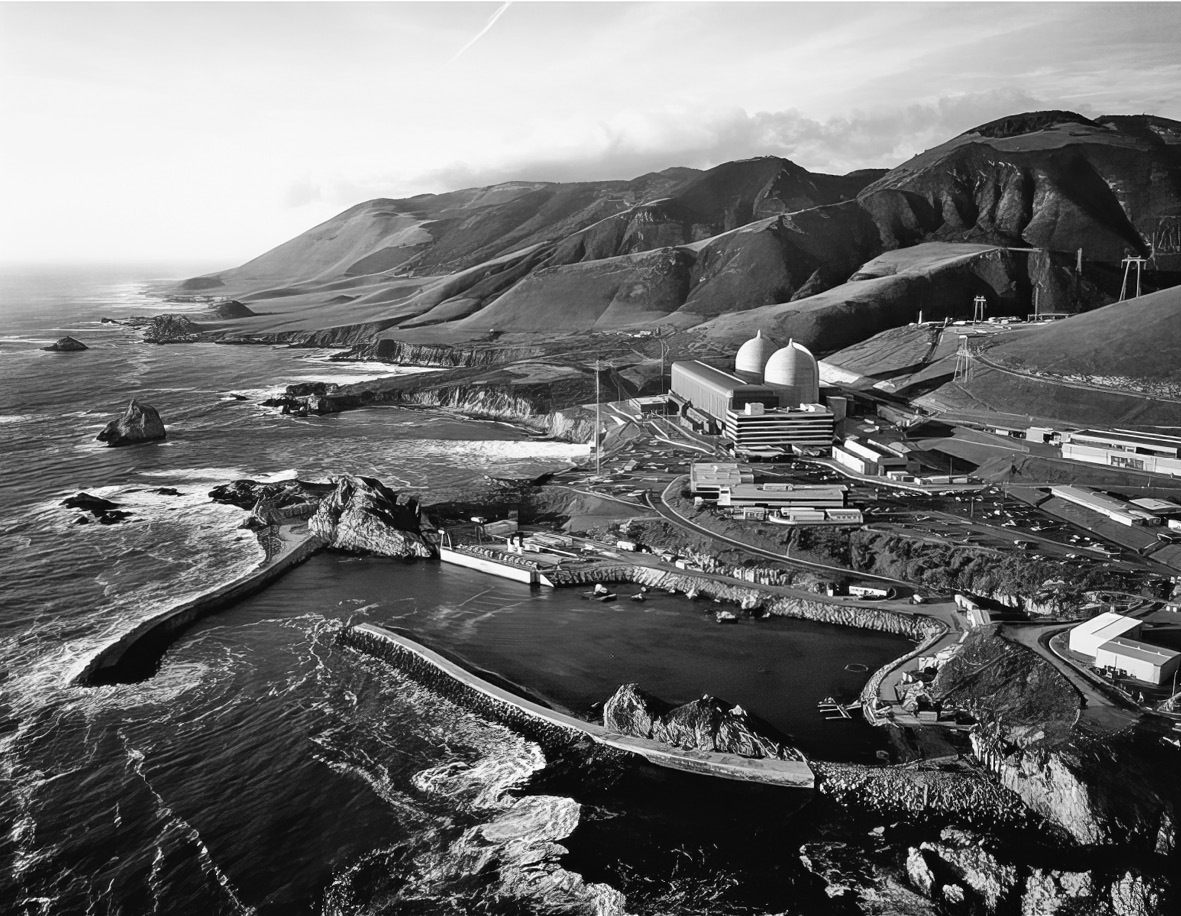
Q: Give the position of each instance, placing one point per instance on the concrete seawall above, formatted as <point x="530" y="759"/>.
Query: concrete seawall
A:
<point x="549" y="725"/>
<point x="111" y="664"/>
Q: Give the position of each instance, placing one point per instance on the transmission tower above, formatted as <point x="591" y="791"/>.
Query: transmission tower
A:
<point x="1128" y="262"/>
<point x="980" y="304"/>
<point x="965" y="361"/>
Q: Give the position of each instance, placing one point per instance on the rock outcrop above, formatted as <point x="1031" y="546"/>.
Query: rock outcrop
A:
<point x="139" y="423"/>
<point x="708" y="724"/>
<point x="970" y="873"/>
<point x="172" y="329"/>
<point x="105" y="511"/>
<point x="362" y="515"/>
<point x="66" y="345"/>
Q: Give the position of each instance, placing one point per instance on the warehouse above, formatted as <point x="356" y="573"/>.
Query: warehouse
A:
<point x="783" y="495"/>
<point x="1117" y="510"/>
<point x="1088" y="636"/>
<point x="868" y="459"/>
<point x="1150" y="664"/>
<point x="1138" y="451"/>
<point x="706" y="479"/>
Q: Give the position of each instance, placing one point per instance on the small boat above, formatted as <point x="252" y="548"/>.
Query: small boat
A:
<point x="601" y="589"/>
<point x="639" y="597"/>
<point x="609" y="596"/>
<point x="725" y="617"/>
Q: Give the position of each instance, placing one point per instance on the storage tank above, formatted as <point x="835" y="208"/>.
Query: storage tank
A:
<point x="752" y="357"/>
<point x="794" y="373"/>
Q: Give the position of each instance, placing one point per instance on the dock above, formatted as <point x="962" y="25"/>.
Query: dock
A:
<point x="796" y="774"/>
<point x="509" y="566"/>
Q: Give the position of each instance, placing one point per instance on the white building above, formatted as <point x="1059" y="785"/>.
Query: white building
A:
<point x="1151" y="664"/>
<point x="707" y="478"/>
<point x="868" y="459"/>
<point x="803" y="429"/>
<point x="783" y="495"/>
<point x="1089" y="635"/>
<point x="1118" y="510"/>
<point x="1138" y="451"/>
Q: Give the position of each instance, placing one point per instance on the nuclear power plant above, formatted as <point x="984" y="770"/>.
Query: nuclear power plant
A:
<point x="769" y="406"/>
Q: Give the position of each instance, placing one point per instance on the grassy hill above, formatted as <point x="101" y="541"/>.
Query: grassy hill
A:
<point x="758" y="243"/>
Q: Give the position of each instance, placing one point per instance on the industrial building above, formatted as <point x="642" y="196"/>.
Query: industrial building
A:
<point x="769" y="405"/>
<point x="1118" y="510"/>
<point x="759" y="431"/>
<point x="783" y="495"/>
<point x="869" y="458"/>
<point x="1151" y="664"/>
<point x="706" y="479"/>
<point x="1088" y="636"/>
<point x="1137" y="451"/>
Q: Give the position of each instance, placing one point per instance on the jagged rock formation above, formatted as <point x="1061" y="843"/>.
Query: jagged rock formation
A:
<point x="969" y="873"/>
<point x="66" y="345"/>
<point x="139" y="423"/>
<point x="707" y="724"/>
<point x="362" y="515"/>
<point x="172" y="329"/>
<point x="105" y="511"/>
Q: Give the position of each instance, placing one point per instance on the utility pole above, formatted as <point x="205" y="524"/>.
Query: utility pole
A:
<point x="598" y="425"/>
<point x="979" y="304"/>
<point x="964" y="361"/>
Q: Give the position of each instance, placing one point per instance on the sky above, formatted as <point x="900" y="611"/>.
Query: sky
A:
<point x="137" y="132"/>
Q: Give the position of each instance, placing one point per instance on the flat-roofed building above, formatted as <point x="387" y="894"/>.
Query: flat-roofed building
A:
<point x="869" y="459"/>
<point x="844" y="516"/>
<point x="1162" y="507"/>
<point x="1089" y="635"/>
<point x="1137" y="451"/>
<point x="784" y="495"/>
<point x="807" y="429"/>
<point x="1140" y="660"/>
<point x="1118" y="510"/>
<point x="707" y="478"/>
<point x="713" y="392"/>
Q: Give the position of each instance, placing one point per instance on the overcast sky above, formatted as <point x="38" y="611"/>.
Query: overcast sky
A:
<point x="163" y="131"/>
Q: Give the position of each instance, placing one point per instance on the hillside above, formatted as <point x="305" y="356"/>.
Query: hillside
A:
<point x="830" y="260"/>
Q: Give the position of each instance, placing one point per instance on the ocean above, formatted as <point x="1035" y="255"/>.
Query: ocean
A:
<point x="265" y="768"/>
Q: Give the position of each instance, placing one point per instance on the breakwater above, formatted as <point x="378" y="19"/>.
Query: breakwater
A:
<point x="922" y="792"/>
<point x="136" y="655"/>
<point x="548" y="726"/>
<point x="917" y="626"/>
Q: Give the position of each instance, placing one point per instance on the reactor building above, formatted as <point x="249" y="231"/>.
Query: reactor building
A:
<point x="768" y="406"/>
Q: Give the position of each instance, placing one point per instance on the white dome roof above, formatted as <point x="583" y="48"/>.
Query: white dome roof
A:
<point x="753" y="355"/>
<point x="794" y="367"/>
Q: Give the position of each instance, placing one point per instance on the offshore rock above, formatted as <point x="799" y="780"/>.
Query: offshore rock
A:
<point x="172" y="329"/>
<point x="139" y="423"/>
<point x="66" y="345"/>
<point x="107" y="512"/>
<point x="708" y="724"/>
<point x="362" y="515"/>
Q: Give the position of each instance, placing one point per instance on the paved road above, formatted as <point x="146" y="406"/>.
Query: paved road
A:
<point x="1099" y="711"/>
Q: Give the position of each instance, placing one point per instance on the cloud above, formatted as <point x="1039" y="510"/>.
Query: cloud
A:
<point x="633" y="143"/>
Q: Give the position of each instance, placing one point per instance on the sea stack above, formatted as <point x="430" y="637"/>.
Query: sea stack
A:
<point x="139" y="423"/>
<point x="66" y="345"/>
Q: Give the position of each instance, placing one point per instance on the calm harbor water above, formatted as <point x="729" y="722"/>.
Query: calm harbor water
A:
<point x="267" y="769"/>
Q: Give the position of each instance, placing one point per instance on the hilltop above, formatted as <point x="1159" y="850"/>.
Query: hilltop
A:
<point x="763" y="242"/>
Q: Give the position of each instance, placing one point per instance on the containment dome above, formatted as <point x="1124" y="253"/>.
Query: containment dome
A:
<point x="794" y="372"/>
<point x="753" y="355"/>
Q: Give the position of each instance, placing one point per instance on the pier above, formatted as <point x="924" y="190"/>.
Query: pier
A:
<point x="795" y="774"/>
